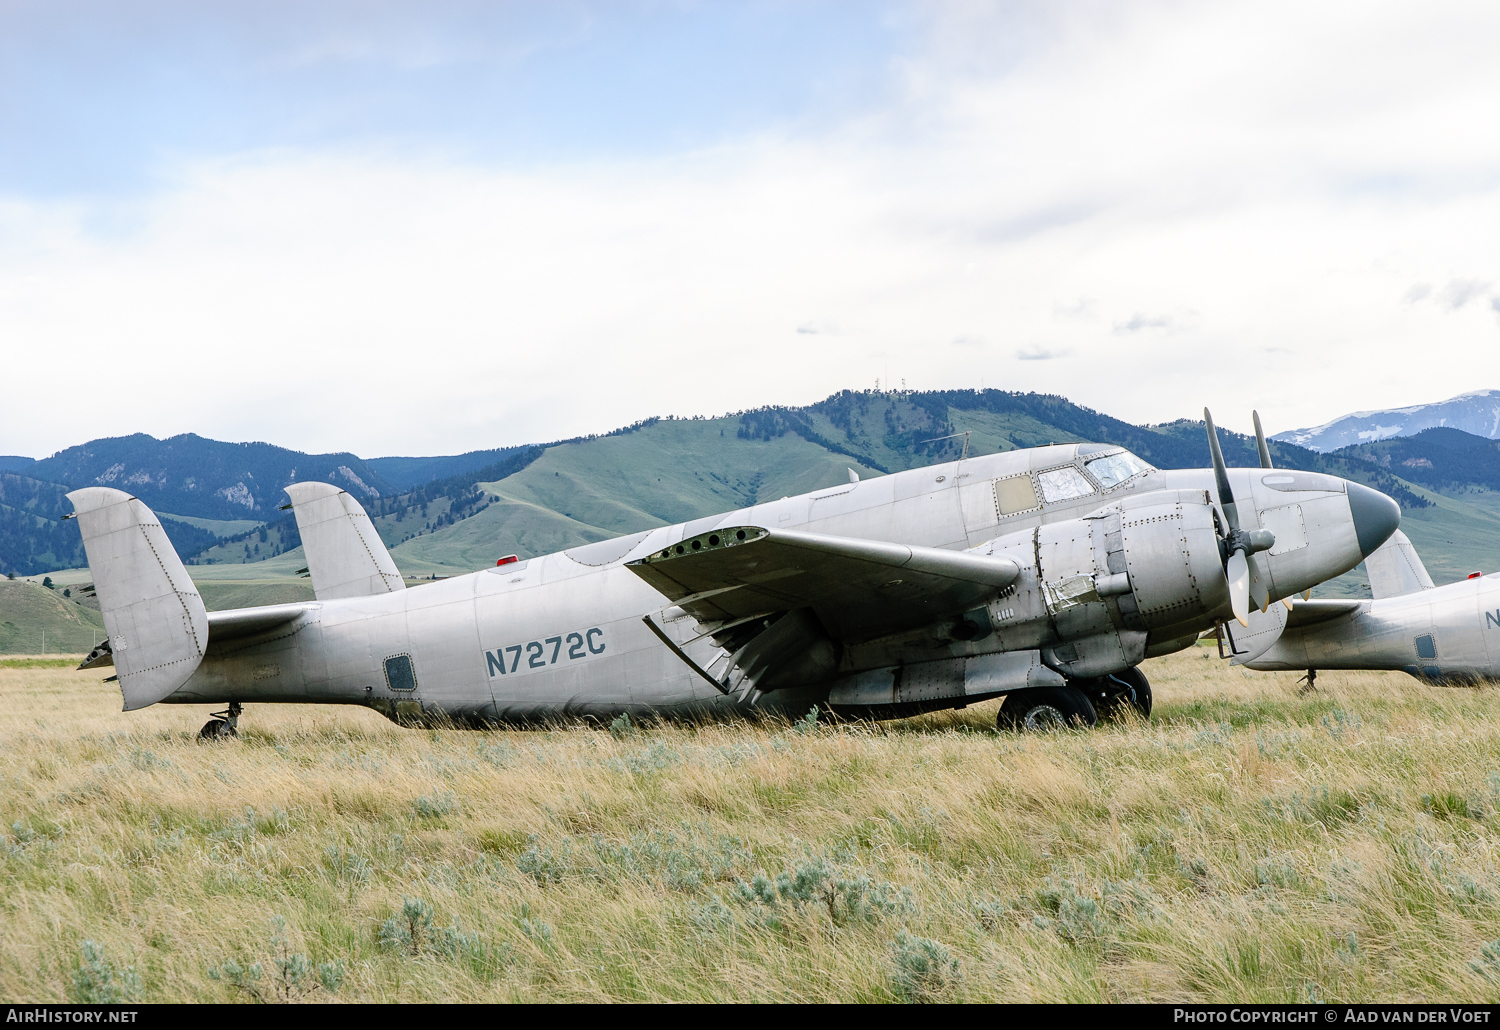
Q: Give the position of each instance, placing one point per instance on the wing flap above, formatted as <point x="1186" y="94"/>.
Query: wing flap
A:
<point x="859" y="589"/>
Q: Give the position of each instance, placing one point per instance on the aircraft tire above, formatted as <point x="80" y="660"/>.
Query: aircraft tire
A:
<point x="1120" y="692"/>
<point x="216" y="729"/>
<point x="1041" y="709"/>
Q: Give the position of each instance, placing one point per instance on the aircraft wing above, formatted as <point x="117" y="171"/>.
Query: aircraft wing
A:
<point x="859" y="589"/>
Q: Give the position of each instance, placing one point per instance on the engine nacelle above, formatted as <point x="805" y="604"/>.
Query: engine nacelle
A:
<point x="1172" y="554"/>
<point x="1095" y="591"/>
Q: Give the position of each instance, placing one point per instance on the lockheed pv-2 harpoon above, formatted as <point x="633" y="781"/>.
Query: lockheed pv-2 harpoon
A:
<point x="1046" y="575"/>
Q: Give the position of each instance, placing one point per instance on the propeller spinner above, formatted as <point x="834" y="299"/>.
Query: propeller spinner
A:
<point x="1240" y="546"/>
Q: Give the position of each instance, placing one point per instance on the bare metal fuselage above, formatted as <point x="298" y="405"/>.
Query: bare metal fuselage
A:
<point x="563" y="634"/>
<point x="1446" y="634"/>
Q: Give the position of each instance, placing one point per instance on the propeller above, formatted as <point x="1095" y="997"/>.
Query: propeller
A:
<point x="1240" y="546"/>
<point x="1260" y="442"/>
<point x="1265" y="463"/>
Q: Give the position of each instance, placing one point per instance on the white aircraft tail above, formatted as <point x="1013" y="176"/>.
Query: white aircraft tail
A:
<point x="344" y="554"/>
<point x="1395" y="569"/>
<point x="157" y="625"/>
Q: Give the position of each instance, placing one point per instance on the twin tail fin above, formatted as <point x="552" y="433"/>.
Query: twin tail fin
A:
<point x="157" y="625"/>
<point x="345" y="557"/>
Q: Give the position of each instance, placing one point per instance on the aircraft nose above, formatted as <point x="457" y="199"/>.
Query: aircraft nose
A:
<point x="1376" y="517"/>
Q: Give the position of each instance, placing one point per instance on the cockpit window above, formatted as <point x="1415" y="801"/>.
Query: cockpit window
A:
<point x="1064" y="484"/>
<point x="1116" y="468"/>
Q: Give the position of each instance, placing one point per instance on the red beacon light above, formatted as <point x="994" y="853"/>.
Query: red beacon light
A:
<point x="509" y="559"/>
<point x="1475" y="575"/>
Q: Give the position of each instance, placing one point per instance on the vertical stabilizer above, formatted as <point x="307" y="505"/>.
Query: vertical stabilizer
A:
<point x="344" y="554"/>
<point x="156" y="621"/>
<point x="1395" y="569"/>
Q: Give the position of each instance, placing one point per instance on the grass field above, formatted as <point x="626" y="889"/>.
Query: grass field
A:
<point x="1248" y="843"/>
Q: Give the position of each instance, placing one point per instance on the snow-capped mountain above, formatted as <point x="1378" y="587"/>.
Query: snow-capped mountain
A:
<point x="1477" y="413"/>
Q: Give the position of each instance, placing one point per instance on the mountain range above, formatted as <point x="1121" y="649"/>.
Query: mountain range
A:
<point x="1476" y="413"/>
<point x="219" y="501"/>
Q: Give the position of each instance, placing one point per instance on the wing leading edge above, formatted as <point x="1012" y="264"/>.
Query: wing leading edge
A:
<point x="859" y="589"/>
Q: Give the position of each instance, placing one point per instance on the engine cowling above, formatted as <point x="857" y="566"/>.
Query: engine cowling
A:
<point x="1113" y="579"/>
<point x="1171" y="552"/>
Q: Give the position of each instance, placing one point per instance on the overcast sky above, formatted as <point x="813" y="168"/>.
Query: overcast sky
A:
<point x="433" y="227"/>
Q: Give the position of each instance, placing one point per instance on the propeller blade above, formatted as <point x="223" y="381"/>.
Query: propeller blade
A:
<point x="1260" y="593"/>
<point x="1221" y="477"/>
<point x="1288" y="602"/>
<point x="1238" y="571"/>
<point x="1260" y="442"/>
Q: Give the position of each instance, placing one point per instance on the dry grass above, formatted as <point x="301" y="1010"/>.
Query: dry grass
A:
<point x="1247" y="844"/>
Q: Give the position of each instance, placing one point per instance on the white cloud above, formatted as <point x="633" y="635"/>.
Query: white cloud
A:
<point x="1040" y="354"/>
<point x="1459" y="292"/>
<point x="1138" y="322"/>
<point x="1282" y="173"/>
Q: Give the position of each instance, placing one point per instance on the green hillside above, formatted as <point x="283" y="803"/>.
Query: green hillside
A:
<point x="29" y="610"/>
<point x="220" y="528"/>
<point x="252" y="546"/>
<point x="663" y="473"/>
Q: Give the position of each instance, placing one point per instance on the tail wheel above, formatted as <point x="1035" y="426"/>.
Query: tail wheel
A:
<point x="1040" y="709"/>
<point x="216" y="729"/>
<point x="1119" y="692"/>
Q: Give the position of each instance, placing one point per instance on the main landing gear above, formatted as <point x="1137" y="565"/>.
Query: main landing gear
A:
<point x="1077" y="703"/>
<point x="223" y="725"/>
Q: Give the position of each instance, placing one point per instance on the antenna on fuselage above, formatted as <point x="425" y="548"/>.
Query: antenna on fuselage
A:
<point x="954" y="436"/>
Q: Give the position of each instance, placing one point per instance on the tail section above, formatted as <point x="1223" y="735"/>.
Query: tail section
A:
<point x="344" y="554"/>
<point x="1395" y="569"/>
<point x="157" y="625"/>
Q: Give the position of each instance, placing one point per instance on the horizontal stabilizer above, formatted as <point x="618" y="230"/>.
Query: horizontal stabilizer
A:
<point x="246" y="622"/>
<point x="1394" y="569"/>
<point x="344" y="554"/>
<point x="1310" y="613"/>
<point x="157" y="625"/>
<point x="859" y="589"/>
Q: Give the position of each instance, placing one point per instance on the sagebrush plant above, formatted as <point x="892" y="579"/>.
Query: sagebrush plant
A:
<point x="925" y="969"/>
<point x="285" y="976"/>
<point x="98" y="981"/>
<point x="1247" y="843"/>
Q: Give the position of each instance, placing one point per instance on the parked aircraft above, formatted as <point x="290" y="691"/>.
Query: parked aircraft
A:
<point x="1439" y="634"/>
<point x="1046" y="575"/>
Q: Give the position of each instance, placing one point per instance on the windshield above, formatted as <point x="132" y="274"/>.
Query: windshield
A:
<point x="1116" y="468"/>
<point x="1063" y="484"/>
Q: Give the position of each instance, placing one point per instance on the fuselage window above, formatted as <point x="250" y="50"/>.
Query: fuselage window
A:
<point x="1064" y="484"/>
<point x="1113" y="469"/>
<point x="399" y="675"/>
<point x="1015" y="494"/>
